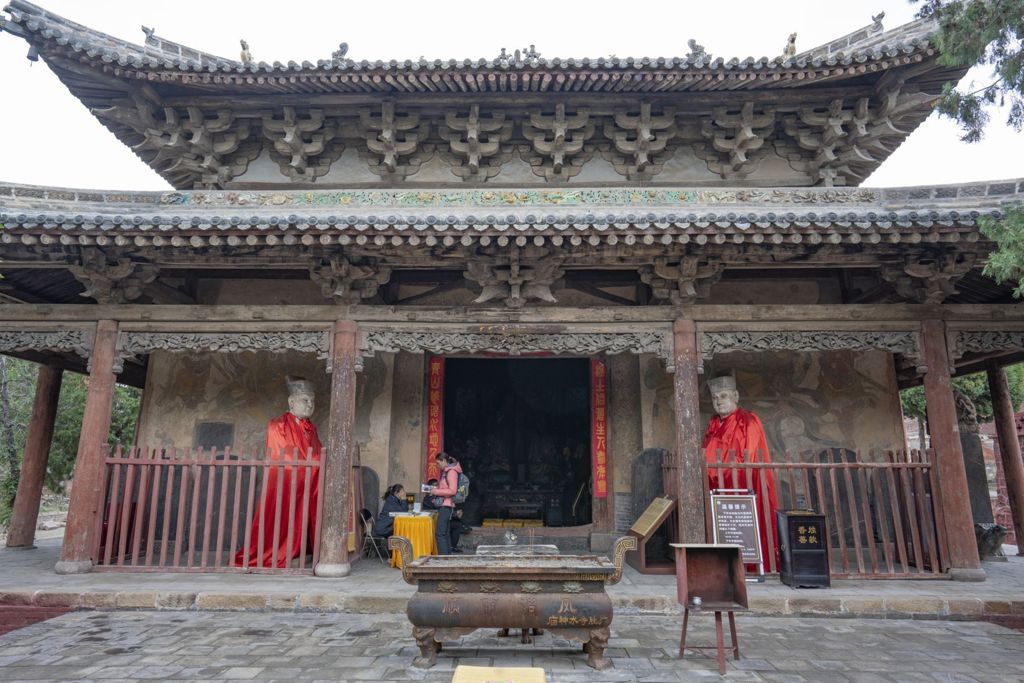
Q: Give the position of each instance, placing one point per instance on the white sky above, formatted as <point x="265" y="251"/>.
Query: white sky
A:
<point x="49" y="138"/>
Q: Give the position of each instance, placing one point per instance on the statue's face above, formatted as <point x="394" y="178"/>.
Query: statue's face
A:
<point x="725" y="401"/>
<point x="301" y="405"/>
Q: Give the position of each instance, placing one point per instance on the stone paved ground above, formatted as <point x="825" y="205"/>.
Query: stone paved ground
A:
<point x="193" y="646"/>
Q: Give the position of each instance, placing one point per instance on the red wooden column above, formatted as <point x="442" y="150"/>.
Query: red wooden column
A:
<point x="1009" y="449"/>
<point x="692" y="468"/>
<point x="87" y="483"/>
<point x="337" y="467"/>
<point x="21" y="533"/>
<point x="949" y="458"/>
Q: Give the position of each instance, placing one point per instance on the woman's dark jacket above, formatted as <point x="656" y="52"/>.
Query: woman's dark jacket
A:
<point x="385" y="523"/>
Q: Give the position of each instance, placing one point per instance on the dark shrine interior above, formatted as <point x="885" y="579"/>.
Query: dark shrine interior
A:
<point x="521" y="430"/>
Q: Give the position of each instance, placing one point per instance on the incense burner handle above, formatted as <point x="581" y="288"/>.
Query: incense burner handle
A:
<point x="622" y="546"/>
<point x="404" y="547"/>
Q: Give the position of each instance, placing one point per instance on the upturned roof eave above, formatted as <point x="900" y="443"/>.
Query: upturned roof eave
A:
<point x="52" y="35"/>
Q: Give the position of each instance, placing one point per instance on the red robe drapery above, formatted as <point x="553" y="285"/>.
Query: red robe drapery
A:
<point x="739" y="437"/>
<point x="288" y="438"/>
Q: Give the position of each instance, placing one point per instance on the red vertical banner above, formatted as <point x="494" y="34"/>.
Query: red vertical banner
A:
<point x="435" y="414"/>
<point x="599" y="426"/>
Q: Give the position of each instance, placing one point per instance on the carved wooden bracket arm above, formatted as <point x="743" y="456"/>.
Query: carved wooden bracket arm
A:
<point x="404" y="547"/>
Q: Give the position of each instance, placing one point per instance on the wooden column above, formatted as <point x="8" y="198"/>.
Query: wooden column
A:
<point x="87" y="483"/>
<point x="334" y="558"/>
<point x="21" y="533"/>
<point x="949" y="458"/>
<point x="692" y="468"/>
<point x="1009" y="449"/>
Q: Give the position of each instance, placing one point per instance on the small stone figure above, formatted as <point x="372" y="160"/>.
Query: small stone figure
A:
<point x="790" y="48"/>
<point x="150" y="35"/>
<point x="246" y="55"/>
<point x="877" y="21"/>
<point x="340" y="53"/>
<point x="697" y="52"/>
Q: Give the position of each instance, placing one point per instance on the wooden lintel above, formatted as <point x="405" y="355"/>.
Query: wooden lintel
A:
<point x="961" y="316"/>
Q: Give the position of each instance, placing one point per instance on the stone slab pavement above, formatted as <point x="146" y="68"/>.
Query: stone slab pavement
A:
<point x="338" y="647"/>
<point x="27" y="578"/>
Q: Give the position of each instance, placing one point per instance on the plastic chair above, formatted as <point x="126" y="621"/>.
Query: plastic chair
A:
<point x="371" y="541"/>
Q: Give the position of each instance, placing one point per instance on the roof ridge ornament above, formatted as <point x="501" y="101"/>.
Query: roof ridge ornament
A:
<point x="246" y="55"/>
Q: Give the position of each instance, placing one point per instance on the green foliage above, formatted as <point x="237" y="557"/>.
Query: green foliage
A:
<point x="68" y="426"/>
<point x="1006" y="262"/>
<point x="981" y="32"/>
<point x="975" y="386"/>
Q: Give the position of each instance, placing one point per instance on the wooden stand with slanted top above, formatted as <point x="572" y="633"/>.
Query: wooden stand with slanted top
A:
<point x="657" y="514"/>
<point x="714" y="575"/>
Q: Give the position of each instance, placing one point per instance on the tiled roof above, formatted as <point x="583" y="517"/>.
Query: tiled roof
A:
<point x="940" y="213"/>
<point x="528" y="72"/>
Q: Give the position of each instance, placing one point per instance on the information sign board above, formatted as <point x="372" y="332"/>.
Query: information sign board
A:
<point x="734" y="520"/>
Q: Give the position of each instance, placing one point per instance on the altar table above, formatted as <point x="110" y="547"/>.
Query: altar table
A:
<point x="419" y="529"/>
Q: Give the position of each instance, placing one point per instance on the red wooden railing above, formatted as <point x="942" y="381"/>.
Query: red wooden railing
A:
<point x="192" y="510"/>
<point x="884" y="517"/>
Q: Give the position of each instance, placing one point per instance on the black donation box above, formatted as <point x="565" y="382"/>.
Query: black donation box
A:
<point x="802" y="549"/>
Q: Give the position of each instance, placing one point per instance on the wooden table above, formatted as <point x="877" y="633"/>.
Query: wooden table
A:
<point x="419" y="529"/>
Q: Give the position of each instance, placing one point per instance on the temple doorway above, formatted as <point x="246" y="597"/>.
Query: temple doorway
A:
<point x="521" y="429"/>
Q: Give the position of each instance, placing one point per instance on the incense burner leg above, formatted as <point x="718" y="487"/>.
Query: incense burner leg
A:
<point x="428" y="647"/>
<point x="595" y="649"/>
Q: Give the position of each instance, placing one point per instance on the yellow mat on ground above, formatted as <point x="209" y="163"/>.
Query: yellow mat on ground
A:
<point x="490" y="674"/>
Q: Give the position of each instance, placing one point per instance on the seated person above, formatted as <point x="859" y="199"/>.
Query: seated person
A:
<point x="394" y="501"/>
<point x="458" y="527"/>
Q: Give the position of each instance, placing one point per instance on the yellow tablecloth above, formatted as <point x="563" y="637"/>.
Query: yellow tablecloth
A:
<point x="420" y="531"/>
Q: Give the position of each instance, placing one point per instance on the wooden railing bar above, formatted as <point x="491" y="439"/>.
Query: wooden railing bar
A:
<point x="193" y="518"/>
<point x="928" y="538"/>
<point x="235" y="509"/>
<point x="211" y="481"/>
<point x="883" y="518"/>
<point x="221" y="517"/>
<point x="140" y="508"/>
<point x="766" y="510"/>
<point x="112" y="513"/>
<point x="250" y="500"/>
<point x="897" y="519"/>
<point x="293" y="484"/>
<point x="278" y="506"/>
<point x="154" y="495"/>
<point x="869" y="528"/>
<point x="908" y="501"/>
<point x="304" y="528"/>
<point x="837" y="507"/>
<point x="851" y="504"/>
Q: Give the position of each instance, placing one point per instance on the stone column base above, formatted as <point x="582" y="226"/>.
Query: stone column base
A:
<point x="73" y="567"/>
<point x="965" y="574"/>
<point x="332" y="571"/>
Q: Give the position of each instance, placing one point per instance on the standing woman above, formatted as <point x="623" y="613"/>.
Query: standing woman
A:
<point x="394" y="501"/>
<point x="446" y="489"/>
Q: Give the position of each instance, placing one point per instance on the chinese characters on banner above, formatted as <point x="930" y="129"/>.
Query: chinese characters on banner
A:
<point x="599" y="426"/>
<point x="435" y="403"/>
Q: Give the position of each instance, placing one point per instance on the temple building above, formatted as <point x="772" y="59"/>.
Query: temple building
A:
<point x="532" y="263"/>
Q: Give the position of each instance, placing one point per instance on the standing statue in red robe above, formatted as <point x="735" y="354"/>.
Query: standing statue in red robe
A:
<point x="290" y="437"/>
<point x="736" y="435"/>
